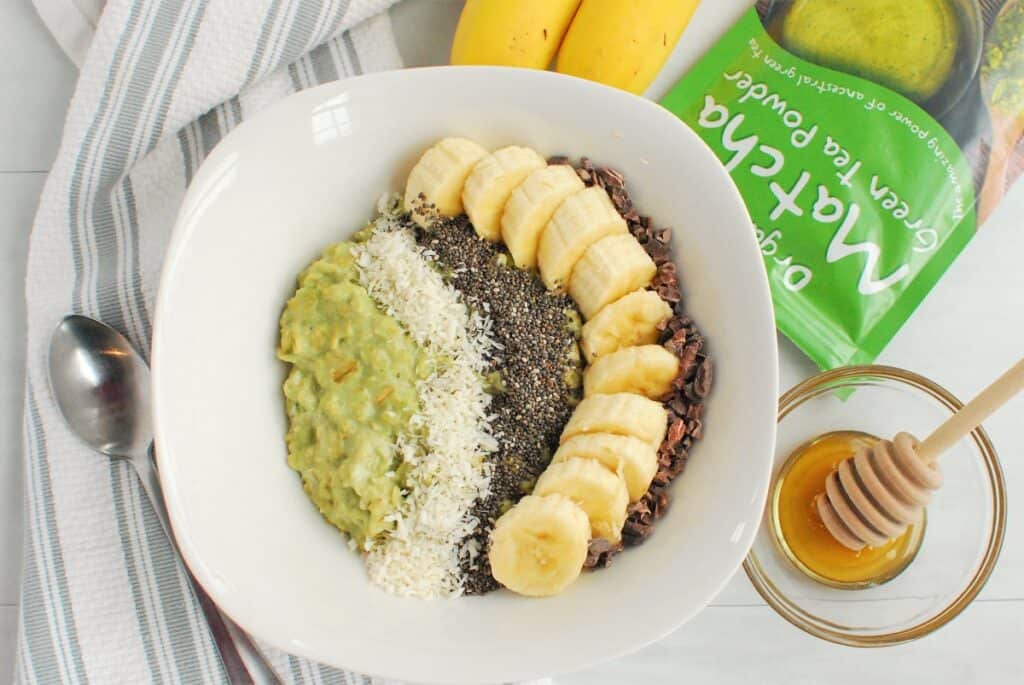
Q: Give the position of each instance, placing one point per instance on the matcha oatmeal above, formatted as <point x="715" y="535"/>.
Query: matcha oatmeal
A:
<point x="350" y="395"/>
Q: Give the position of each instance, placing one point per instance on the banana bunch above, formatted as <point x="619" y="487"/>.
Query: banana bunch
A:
<point x="575" y="238"/>
<point x="617" y="42"/>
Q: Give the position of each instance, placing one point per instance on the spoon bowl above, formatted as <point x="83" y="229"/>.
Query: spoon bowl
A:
<point x="101" y="385"/>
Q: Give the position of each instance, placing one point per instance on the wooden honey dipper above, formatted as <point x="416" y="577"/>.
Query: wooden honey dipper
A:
<point x="873" y="496"/>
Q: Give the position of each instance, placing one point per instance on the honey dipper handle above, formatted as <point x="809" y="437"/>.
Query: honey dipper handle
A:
<point x="973" y="413"/>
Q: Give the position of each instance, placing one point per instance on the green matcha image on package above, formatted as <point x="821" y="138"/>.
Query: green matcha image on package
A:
<point x="870" y="139"/>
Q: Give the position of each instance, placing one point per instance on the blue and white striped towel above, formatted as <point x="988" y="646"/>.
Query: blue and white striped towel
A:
<point x="104" y="599"/>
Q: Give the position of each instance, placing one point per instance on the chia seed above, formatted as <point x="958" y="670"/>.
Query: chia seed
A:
<point x="539" y="367"/>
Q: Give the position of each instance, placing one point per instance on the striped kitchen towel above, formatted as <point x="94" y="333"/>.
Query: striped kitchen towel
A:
<point x="104" y="598"/>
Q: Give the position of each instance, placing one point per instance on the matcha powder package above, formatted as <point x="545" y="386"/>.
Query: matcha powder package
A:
<point x="870" y="139"/>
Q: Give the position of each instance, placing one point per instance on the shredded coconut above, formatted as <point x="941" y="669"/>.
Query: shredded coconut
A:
<point x="450" y="436"/>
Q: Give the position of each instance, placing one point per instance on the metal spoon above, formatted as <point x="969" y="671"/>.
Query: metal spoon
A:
<point x="102" y="388"/>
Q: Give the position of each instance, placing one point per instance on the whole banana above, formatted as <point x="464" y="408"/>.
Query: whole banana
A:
<point x="623" y="43"/>
<point x="511" y="33"/>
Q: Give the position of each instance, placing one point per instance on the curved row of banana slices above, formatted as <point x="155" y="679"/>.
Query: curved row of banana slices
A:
<point x="576" y="239"/>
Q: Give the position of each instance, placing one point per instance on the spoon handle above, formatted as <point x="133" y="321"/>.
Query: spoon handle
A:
<point x="146" y="470"/>
<point x="242" y="661"/>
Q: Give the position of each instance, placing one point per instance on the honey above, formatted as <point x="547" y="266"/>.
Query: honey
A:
<point x="803" y="537"/>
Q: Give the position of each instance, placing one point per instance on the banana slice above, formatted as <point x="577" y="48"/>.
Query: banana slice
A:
<point x="491" y="183"/>
<point x="439" y="177"/>
<point x="599" y="492"/>
<point x="531" y="206"/>
<point x="620" y="414"/>
<point x="578" y="223"/>
<point x="633" y="459"/>
<point x="609" y="269"/>
<point x="647" y="370"/>
<point x="631" y="320"/>
<point x="538" y="546"/>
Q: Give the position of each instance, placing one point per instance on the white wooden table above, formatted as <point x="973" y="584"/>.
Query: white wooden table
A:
<point x="737" y="639"/>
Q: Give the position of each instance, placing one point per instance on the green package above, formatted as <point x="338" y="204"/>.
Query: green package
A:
<point x="861" y="159"/>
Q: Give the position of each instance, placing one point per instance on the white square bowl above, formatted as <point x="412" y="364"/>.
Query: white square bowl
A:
<point x="307" y="173"/>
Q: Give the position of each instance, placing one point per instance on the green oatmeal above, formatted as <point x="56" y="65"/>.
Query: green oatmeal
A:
<point x="350" y="395"/>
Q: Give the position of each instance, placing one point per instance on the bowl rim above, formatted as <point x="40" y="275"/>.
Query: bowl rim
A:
<point x="177" y="244"/>
<point x="780" y="602"/>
